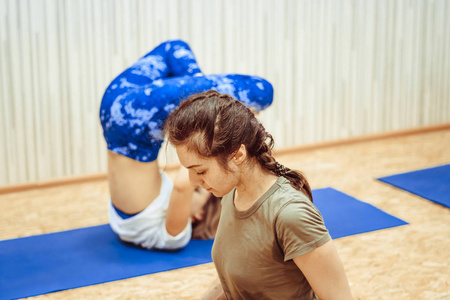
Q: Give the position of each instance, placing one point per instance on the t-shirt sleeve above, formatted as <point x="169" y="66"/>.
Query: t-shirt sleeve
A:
<point x="300" y="229"/>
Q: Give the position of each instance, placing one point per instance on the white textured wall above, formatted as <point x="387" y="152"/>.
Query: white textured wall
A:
<point x="340" y="68"/>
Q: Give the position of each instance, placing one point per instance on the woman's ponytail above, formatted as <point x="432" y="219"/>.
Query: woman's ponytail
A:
<point x="296" y="178"/>
<point x="265" y="158"/>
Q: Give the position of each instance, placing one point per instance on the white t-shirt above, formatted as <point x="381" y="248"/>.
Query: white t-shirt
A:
<point x="147" y="229"/>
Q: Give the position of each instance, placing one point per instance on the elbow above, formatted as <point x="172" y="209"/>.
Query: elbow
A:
<point x="175" y="228"/>
<point x="173" y="231"/>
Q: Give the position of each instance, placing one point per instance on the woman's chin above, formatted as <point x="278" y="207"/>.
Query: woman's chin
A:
<point x="217" y="194"/>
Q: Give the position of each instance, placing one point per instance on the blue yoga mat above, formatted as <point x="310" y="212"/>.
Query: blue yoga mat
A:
<point x="52" y="262"/>
<point x="345" y="215"/>
<point x="432" y="183"/>
<point x="64" y="260"/>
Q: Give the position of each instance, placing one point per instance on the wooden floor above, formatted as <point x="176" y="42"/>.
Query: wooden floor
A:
<point x="406" y="262"/>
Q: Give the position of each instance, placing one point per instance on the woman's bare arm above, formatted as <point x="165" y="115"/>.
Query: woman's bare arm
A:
<point x="179" y="209"/>
<point x="325" y="273"/>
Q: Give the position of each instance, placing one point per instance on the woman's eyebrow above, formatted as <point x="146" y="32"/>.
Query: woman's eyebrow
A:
<point x="193" y="166"/>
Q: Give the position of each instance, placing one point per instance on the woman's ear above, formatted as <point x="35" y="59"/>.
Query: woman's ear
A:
<point x="240" y="155"/>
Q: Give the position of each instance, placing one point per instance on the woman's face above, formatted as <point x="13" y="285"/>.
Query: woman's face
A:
<point x="199" y="199"/>
<point x="207" y="172"/>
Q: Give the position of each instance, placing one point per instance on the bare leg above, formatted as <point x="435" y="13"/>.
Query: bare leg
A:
<point x="133" y="185"/>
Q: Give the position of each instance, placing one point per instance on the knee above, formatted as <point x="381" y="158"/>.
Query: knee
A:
<point x="178" y="43"/>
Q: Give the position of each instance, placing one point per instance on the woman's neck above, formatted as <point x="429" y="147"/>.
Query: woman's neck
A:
<point x="254" y="182"/>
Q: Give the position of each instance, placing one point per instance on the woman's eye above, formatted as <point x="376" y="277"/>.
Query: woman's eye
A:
<point x="200" y="173"/>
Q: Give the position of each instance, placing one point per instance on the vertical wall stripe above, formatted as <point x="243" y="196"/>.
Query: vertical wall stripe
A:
<point x="340" y="68"/>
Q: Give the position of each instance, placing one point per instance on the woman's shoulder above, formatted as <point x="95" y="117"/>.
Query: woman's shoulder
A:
<point x="286" y="193"/>
<point x="290" y="202"/>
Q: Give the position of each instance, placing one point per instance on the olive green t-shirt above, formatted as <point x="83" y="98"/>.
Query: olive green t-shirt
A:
<point x="253" y="249"/>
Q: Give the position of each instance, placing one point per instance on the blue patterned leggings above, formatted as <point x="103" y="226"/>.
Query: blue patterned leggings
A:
<point x="138" y="101"/>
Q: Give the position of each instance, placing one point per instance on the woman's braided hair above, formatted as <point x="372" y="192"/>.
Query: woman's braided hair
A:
<point x="216" y="125"/>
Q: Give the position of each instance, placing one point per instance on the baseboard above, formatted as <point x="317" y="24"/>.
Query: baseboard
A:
<point x="362" y="138"/>
<point x="282" y="151"/>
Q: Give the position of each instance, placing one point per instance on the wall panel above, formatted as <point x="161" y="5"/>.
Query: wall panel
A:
<point x="340" y="68"/>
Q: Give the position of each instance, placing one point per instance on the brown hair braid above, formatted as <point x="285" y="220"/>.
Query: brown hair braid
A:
<point x="216" y="125"/>
<point x="265" y="158"/>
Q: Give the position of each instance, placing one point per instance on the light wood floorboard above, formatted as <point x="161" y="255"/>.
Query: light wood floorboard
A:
<point x="406" y="262"/>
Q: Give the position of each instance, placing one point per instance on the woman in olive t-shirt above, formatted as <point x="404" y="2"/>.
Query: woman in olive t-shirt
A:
<point x="271" y="242"/>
